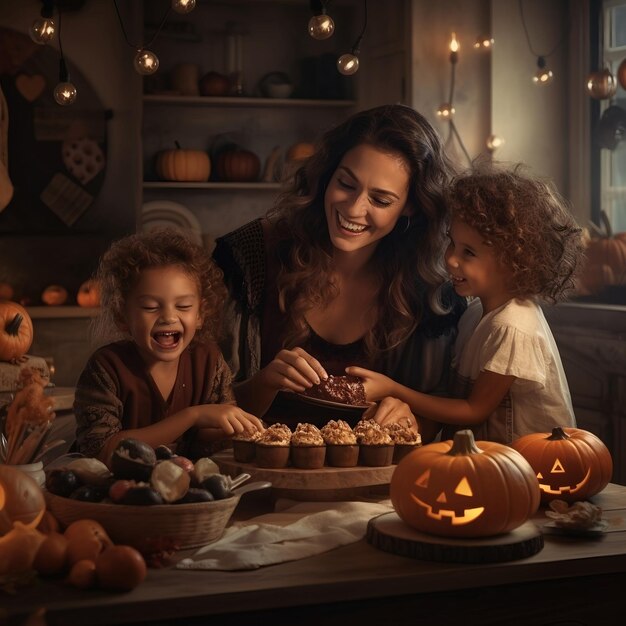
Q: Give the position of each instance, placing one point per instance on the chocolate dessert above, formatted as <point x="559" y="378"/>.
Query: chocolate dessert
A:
<point x="342" y="389"/>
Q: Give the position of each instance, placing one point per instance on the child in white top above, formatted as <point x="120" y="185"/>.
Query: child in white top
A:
<point x="512" y="243"/>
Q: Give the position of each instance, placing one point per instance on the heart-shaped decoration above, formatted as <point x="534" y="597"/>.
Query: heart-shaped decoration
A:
<point x="31" y="87"/>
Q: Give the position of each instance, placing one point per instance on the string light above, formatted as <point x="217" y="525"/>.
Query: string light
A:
<point x="43" y="28"/>
<point x="543" y="75"/>
<point x="446" y="110"/>
<point x="321" y="25"/>
<point x="65" y="92"/>
<point x="348" y="63"/>
<point x="183" y="6"/>
<point x="485" y="42"/>
<point x="494" y="142"/>
<point x="145" y="61"/>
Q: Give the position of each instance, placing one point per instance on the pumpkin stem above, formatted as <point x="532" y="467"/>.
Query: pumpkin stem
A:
<point x="464" y="444"/>
<point x="604" y="218"/>
<point x="557" y="433"/>
<point x="13" y="327"/>
<point x="177" y="144"/>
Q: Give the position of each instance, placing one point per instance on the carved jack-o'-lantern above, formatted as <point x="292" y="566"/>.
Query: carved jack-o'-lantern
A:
<point x="570" y="463"/>
<point x="463" y="488"/>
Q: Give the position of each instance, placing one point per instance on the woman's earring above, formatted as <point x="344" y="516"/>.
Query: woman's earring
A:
<point x="408" y="223"/>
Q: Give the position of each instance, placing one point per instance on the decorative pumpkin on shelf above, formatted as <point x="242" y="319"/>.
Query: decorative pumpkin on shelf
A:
<point x="300" y="151"/>
<point x="181" y="165"/>
<point x="89" y="294"/>
<point x="570" y="463"/>
<point x="54" y="295"/>
<point x="238" y="165"/>
<point x="6" y="291"/>
<point x="464" y="488"/>
<point x="16" y="330"/>
<point x="606" y="260"/>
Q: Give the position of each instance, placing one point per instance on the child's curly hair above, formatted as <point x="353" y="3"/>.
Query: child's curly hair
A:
<point x="122" y="264"/>
<point x="528" y="224"/>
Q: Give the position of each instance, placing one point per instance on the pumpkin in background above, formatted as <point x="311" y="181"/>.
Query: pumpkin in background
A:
<point x="54" y="295"/>
<point x="606" y="260"/>
<point x="570" y="463"/>
<point x="21" y="499"/>
<point x="238" y="165"/>
<point x="16" y="330"/>
<point x="300" y="151"/>
<point x="89" y="294"/>
<point x="183" y="165"/>
<point x="464" y="488"/>
<point x="621" y="74"/>
<point x="6" y="291"/>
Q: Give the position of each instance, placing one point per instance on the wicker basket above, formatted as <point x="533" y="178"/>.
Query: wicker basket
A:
<point x="149" y="528"/>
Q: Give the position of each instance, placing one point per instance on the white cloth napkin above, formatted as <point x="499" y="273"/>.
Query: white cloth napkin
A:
<point x="299" y="531"/>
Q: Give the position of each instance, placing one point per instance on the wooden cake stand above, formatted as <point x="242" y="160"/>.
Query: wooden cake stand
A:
<point x="325" y="484"/>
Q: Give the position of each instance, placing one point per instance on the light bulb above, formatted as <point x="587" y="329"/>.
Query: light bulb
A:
<point x="445" y="111"/>
<point x="42" y="30"/>
<point x="348" y="64"/>
<point x="65" y="93"/>
<point x="146" y="62"/>
<point x="494" y="142"/>
<point x="485" y="42"/>
<point x="454" y="43"/>
<point x="183" y="6"/>
<point x="321" y="26"/>
<point x="543" y="75"/>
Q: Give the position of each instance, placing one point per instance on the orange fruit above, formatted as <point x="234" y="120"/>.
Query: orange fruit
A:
<point x="120" y="567"/>
<point x="83" y="574"/>
<point x="86" y="539"/>
<point x="51" y="558"/>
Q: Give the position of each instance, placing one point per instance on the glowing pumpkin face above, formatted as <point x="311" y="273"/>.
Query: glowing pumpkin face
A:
<point x="464" y="488"/>
<point x="570" y="463"/>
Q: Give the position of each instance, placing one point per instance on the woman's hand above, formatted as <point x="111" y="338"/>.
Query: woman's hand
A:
<point x="377" y="386"/>
<point x="295" y="370"/>
<point x="230" y="419"/>
<point x="391" y="410"/>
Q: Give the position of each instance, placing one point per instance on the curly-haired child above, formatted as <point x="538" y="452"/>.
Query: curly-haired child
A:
<point x="513" y="243"/>
<point x="166" y="382"/>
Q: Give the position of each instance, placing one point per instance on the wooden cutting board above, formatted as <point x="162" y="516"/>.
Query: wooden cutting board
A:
<point x="389" y="533"/>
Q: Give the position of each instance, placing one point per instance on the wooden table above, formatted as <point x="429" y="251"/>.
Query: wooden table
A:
<point x="570" y="581"/>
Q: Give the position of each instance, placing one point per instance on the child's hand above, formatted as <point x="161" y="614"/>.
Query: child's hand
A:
<point x="229" y="418"/>
<point x="377" y="386"/>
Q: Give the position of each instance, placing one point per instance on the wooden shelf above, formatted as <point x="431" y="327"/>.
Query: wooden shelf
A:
<point x="243" y="101"/>
<point x="256" y="186"/>
<point x="61" y="312"/>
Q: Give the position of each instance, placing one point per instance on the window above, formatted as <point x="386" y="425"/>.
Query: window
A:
<point x="613" y="162"/>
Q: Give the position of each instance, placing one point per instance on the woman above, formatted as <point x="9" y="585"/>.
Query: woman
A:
<point x="346" y="269"/>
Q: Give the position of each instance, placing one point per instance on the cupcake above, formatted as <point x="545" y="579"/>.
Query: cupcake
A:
<point x="308" y="449"/>
<point x="244" y="446"/>
<point x="342" y="449"/>
<point x="405" y="440"/>
<point x="376" y="446"/>
<point x="272" y="447"/>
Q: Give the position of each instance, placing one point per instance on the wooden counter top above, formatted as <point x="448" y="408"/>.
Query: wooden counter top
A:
<point x="360" y="581"/>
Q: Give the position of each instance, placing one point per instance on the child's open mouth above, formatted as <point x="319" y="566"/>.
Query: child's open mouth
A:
<point x="167" y="339"/>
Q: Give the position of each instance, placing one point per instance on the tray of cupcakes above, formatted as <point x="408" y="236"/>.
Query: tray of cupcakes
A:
<point x="332" y="458"/>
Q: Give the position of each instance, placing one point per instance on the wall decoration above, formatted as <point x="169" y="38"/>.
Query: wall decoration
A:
<point x="59" y="168"/>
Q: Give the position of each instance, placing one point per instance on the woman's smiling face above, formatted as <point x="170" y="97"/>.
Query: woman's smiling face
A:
<point x="365" y="197"/>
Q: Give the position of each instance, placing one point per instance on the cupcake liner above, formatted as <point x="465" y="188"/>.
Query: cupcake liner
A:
<point x="308" y="457"/>
<point x="342" y="455"/>
<point x="244" y="451"/>
<point x="400" y="450"/>
<point x="377" y="455"/>
<point x="272" y="456"/>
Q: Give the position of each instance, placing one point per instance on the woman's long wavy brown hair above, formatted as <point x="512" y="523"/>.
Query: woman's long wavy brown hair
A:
<point x="122" y="264"/>
<point x="529" y="225"/>
<point x="407" y="262"/>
